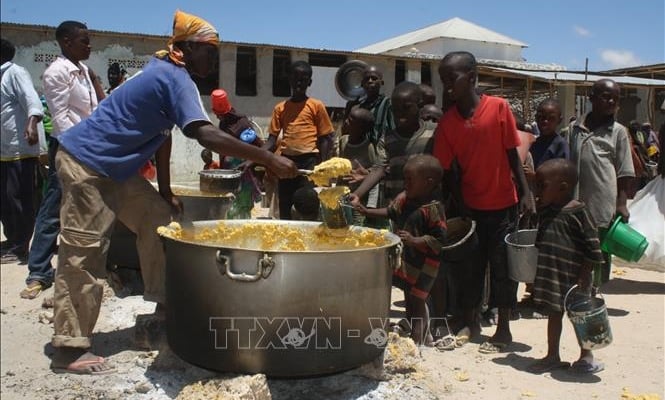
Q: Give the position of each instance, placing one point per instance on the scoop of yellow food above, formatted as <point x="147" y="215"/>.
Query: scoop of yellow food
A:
<point x="332" y="168"/>
<point x="329" y="197"/>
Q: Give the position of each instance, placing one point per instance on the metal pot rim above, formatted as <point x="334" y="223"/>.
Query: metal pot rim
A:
<point x="394" y="240"/>
<point x="220" y="173"/>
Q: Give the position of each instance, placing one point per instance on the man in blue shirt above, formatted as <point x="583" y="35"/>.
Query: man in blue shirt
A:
<point x="98" y="171"/>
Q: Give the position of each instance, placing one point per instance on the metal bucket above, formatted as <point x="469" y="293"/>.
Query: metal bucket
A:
<point x="220" y="180"/>
<point x="281" y="313"/>
<point x="522" y="255"/>
<point x="590" y="320"/>
<point x="461" y="239"/>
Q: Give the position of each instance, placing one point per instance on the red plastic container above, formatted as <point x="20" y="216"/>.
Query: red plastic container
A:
<point x="220" y="102"/>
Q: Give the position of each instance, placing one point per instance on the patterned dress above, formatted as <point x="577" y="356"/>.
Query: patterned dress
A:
<point x="567" y="240"/>
<point x="419" y="269"/>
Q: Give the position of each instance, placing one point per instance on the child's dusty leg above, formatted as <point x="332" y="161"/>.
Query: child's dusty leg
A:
<point x="552" y="360"/>
<point x="502" y="334"/>
<point x="554" y="327"/>
<point x="586" y="355"/>
<point x="419" y="320"/>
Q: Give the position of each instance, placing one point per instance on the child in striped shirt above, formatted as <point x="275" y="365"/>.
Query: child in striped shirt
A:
<point x="568" y="248"/>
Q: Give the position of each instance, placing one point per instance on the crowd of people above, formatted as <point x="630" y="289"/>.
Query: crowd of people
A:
<point x="415" y="166"/>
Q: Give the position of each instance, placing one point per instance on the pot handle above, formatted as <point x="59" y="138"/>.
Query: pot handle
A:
<point x="263" y="268"/>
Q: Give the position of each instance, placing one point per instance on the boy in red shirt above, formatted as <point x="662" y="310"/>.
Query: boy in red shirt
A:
<point x="479" y="133"/>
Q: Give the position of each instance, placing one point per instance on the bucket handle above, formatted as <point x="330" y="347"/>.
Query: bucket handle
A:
<point x="263" y="269"/>
<point x="530" y="218"/>
<point x="565" y="299"/>
<point x="395" y="257"/>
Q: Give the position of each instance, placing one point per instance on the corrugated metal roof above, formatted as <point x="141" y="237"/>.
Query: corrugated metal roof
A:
<point x="563" y="76"/>
<point x="455" y="28"/>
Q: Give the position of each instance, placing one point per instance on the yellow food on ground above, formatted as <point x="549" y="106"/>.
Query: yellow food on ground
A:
<point x="276" y="237"/>
<point x="462" y="376"/>
<point x="627" y="395"/>
<point x="330" y="196"/>
<point x="329" y="169"/>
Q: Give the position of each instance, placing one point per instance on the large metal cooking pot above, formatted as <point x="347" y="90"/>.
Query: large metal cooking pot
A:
<point x="284" y="313"/>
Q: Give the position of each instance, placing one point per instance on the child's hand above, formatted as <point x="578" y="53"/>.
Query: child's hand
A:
<point x="407" y="238"/>
<point x="354" y="200"/>
<point x="360" y="208"/>
<point x="355" y="177"/>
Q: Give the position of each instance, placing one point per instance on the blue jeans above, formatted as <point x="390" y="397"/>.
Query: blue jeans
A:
<point x="47" y="226"/>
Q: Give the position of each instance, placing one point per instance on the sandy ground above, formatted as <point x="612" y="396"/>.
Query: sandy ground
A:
<point x="634" y="362"/>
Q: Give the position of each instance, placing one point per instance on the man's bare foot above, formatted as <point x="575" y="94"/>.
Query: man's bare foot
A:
<point x="78" y="361"/>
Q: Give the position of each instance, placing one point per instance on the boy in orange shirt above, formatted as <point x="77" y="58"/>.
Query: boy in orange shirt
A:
<point x="307" y="133"/>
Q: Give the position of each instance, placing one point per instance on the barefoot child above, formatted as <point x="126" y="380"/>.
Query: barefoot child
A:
<point x="419" y="220"/>
<point x="568" y="248"/>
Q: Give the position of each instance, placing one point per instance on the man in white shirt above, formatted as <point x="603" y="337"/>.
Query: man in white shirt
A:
<point x="71" y="90"/>
<point x="20" y="112"/>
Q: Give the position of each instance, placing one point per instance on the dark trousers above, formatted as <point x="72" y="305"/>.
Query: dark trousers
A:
<point x="17" y="209"/>
<point x="492" y="228"/>
<point x="47" y="226"/>
<point x="287" y="187"/>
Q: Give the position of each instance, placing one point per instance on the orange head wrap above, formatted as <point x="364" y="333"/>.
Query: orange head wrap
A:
<point x="188" y="28"/>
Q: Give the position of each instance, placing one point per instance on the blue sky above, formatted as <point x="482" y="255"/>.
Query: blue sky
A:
<point x="610" y="33"/>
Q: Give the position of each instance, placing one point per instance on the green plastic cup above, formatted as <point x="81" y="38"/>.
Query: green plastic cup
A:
<point x="624" y="242"/>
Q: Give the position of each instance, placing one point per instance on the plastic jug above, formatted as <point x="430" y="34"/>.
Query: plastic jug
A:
<point x="220" y="102"/>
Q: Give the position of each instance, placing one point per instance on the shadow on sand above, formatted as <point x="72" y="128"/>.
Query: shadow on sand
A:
<point x="521" y="363"/>
<point x="627" y="286"/>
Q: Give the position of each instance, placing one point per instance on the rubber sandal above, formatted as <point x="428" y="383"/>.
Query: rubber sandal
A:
<point x="542" y="366"/>
<point x="583" y="367"/>
<point x="445" y="343"/>
<point x="492" y="348"/>
<point x="83" y="367"/>
<point x="32" y="291"/>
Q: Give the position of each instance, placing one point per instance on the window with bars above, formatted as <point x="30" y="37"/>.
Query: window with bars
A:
<point x="246" y="71"/>
<point x="400" y="71"/>
<point x="281" y="59"/>
<point x="426" y="73"/>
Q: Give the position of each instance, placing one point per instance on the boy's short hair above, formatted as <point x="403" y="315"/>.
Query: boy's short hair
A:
<point x="469" y="60"/>
<point x="7" y="50"/>
<point x="301" y="65"/>
<point x="206" y="153"/>
<point x="429" y="96"/>
<point x="428" y="165"/>
<point x="68" y="28"/>
<point x="566" y="170"/>
<point x="306" y="201"/>
<point x="431" y="112"/>
<point x="363" y="115"/>
<point x="117" y="68"/>
<point x="550" y="101"/>
<point x="408" y="88"/>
